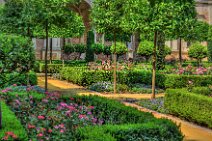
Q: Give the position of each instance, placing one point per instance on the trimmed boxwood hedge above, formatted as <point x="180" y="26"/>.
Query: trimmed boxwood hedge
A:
<point x="10" y="123"/>
<point x="193" y="107"/>
<point x="159" y="130"/>
<point x="180" y="81"/>
<point x="84" y="77"/>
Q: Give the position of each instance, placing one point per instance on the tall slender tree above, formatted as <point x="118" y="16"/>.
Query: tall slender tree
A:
<point x="159" y="20"/>
<point x="106" y="17"/>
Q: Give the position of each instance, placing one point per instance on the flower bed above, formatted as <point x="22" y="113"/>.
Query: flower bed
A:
<point x="50" y="117"/>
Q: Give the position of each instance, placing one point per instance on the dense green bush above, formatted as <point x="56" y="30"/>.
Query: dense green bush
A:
<point x="16" y="56"/>
<point x="146" y="49"/>
<point x="97" y="48"/>
<point x="10" y="123"/>
<point x="120" y="49"/>
<point x="69" y="48"/>
<point x="198" y="51"/>
<point x="21" y="79"/>
<point x="131" y="132"/>
<point x="180" y="81"/>
<point x="191" y="106"/>
<point x="202" y="90"/>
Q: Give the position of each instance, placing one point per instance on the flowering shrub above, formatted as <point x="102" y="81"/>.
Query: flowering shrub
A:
<point x="51" y="118"/>
<point x="190" y="70"/>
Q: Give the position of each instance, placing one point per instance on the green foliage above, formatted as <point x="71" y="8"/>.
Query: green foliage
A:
<point x="89" y="52"/>
<point x="84" y="77"/>
<point x="198" y="51"/>
<point x="69" y="48"/>
<point x="10" y="123"/>
<point x="136" y="132"/>
<point x="198" y="32"/>
<point x="119" y="49"/>
<point x="107" y="50"/>
<point x="106" y="16"/>
<point x="180" y="81"/>
<point x="191" y="106"/>
<point x="80" y="48"/>
<point x="97" y="48"/>
<point x="145" y="49"/>
<point x="16" y="55"/>
<point x="21" y="79"/>
<point x="161" y="51"/>
<point x="210" y="51"/>
<point x="185" y="19"/>
<point x="202" y="90"/>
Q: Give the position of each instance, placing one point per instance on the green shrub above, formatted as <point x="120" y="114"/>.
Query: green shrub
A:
<point x="120" y="49"/>
<point x="131" y="132"/>
<point x="114" y="112"/>
<point x="69" y="48"/>
<point x="21" y="79"/>
<point x="202" y="90"/>
<point x="106" y="50"/>
<point x="11" y="124"/>
<point x="97" y="48"/>
<point x="180" y="81"/>
<point x="191" y="106"/>
<point x="146" y="49"/>
<point x="52" y="68"/>
<point x="198" y="51"/>
<point x="86" y="77"/>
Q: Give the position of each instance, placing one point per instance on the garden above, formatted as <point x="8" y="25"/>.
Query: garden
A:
<point x="102" y="63"/>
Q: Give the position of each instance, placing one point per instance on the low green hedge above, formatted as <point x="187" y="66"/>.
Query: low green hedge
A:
<point x="11" y="124"/>
<point x="191" y="106"/>
<point x="84" y="77"/>
<point x="180" y="81"/>
<point x="21" y="79"/>
<point x="159" y="130"/>
<point x="114" y="112"/>
<point x="202" y="90"/>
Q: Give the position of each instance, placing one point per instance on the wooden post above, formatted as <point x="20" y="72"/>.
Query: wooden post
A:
<point x="46" y="54"/>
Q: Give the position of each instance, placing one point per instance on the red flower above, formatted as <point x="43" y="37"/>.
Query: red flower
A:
<point x="40" y="135"/>
<point x="71" y="98"/>
<point x="41" y="117"/>
<point x="50" y="130"/>
<point x="29" y="126"/>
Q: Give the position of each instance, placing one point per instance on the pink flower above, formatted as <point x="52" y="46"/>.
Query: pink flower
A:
<point x="41" y="117"/>
<point x="82" y="116"/>
<point x="91" y="107"/>
<point x="50" y="130"/>
<point x="61" y="131"/>
<point x="14" y="85"/>
<point x="29" y="126"/>
<point x="40" y="135"/>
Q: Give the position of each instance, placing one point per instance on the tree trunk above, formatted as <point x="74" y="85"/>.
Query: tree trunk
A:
<point x="114" y="72"/>
<point x="154" y="66"/>
<point x="180" y="51"/>
<point x="50" y="50"/>
<point x="46" y="54"/>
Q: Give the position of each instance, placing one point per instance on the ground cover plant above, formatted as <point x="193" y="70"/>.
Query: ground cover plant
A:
<point x="50" y="116"/>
